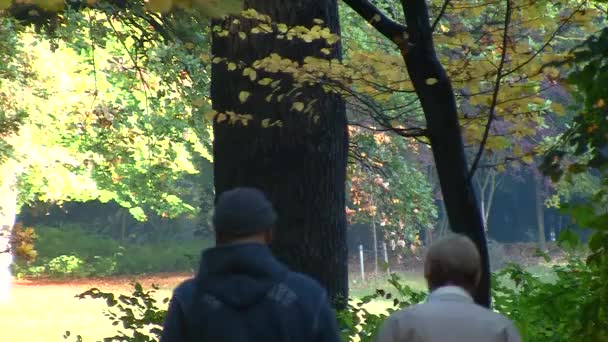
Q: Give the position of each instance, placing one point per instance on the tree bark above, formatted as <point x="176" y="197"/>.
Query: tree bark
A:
<point x="301" y="165"/>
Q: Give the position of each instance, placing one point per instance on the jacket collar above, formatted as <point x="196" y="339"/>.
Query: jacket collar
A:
<point x="253" y="259"/>
<point x="450" y="294"/>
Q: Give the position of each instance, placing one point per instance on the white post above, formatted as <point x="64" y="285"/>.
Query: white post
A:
<point x="375" y="239"/>
<point x="362" y="262"/>
<point x="388" y="267"/>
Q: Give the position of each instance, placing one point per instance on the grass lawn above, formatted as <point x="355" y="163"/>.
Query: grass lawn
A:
<point x="43" y="311"/>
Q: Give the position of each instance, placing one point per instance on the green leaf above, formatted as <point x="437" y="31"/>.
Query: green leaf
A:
<point x="243" y="96"/>
<point x="568" y="239"/>
<point x="298" y="106"/>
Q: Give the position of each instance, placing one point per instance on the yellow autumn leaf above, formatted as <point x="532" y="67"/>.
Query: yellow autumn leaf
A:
<point x="243" y="96"/>
<point x="307" y="38"/>
<point x="332" y="39"/>
<point x="528" y="159"/>
<point x="242" y="35"/>
<point x="210" y="115"/>
<point x="251" y="73"/>
<point x="265" y="123"/>
<point x="517" y="151"/>
<point x="198" y="102"/>
<point x="183" y="3"/>
<point x="599" y="104"/>
<point x="161" y="6"/>
<point x="265" y="81"/>
<point x="431" y="81"/>
<point x="221" y="117"/>
<point x="551" y="72"/>
<point x="52" y="5"/>
<point x="558" y="108"/>
<point x="231" y="66"/>
<point x="298" y="106"/>
<point x="4" y="4"/>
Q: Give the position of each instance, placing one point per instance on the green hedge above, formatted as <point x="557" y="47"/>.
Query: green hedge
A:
<point x="71" y="251"/>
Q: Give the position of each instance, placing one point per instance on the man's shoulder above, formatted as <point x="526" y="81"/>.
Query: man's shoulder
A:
<point x="185" y="290"/>
<point x="466" y="311"/>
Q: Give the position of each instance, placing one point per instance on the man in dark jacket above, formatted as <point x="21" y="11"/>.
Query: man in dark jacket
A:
<point x="241" y="292"/>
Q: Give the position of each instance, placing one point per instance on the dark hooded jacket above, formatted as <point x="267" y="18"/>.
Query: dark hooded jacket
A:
<point x="242" y="293"/>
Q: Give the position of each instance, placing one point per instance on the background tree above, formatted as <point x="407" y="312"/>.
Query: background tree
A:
<point x="489" y="89"/>
<point x="387" y="191"/>
<point x="87" y="131"/>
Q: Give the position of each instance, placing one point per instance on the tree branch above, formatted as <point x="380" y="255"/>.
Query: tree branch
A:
<point x="499" y="76"/>
<point x="440" y="15"/>
<point x="385" y="25"/>
<point x="549" y="41"/>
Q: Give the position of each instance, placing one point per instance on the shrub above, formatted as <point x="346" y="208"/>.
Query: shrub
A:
<point x="66" y="265"/>
<point x="70" y="251"/>
<point x="137" y="313"/>
<point x="142" y="319"/>
<point x="544" y="310"/>
<point x="23" y="243"/>
<point x="547" y="311"/>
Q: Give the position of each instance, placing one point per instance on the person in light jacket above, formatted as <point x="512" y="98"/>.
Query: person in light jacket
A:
<point x="242" y="293"/>
<point x="452" y="270"/>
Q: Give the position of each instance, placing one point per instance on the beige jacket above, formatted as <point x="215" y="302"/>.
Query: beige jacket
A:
<point x="449" y="315"/>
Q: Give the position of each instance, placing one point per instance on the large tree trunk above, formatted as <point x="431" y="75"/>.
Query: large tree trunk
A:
<point x="300" y="165"/>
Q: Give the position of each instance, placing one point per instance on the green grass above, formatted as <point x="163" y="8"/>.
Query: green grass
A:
<point x="358" y="288"/>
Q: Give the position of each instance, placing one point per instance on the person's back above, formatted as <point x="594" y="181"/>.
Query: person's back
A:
<point x="449" y="314"/>
<point x="242" y="293"/>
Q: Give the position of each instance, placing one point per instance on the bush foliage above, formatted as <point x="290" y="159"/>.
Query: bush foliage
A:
<point x="72" y="252"/>
<point x="545" y="309"/>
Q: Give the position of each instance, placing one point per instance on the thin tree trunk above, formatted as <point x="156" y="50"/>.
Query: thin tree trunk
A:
<point x="434" y="89"/>
<point x="123" y="233"/>
<point x="540" y="213"/>
<point x="439" y="106"/>
<point x="8" y="213"/>
<point x="482" y="200"/>
<point x="375" y="238"/>
<point x="300" y="165"/>
<point x="490" y="199"/>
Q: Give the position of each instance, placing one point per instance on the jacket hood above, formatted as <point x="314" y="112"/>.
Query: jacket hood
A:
<point x="239" y="275"/>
